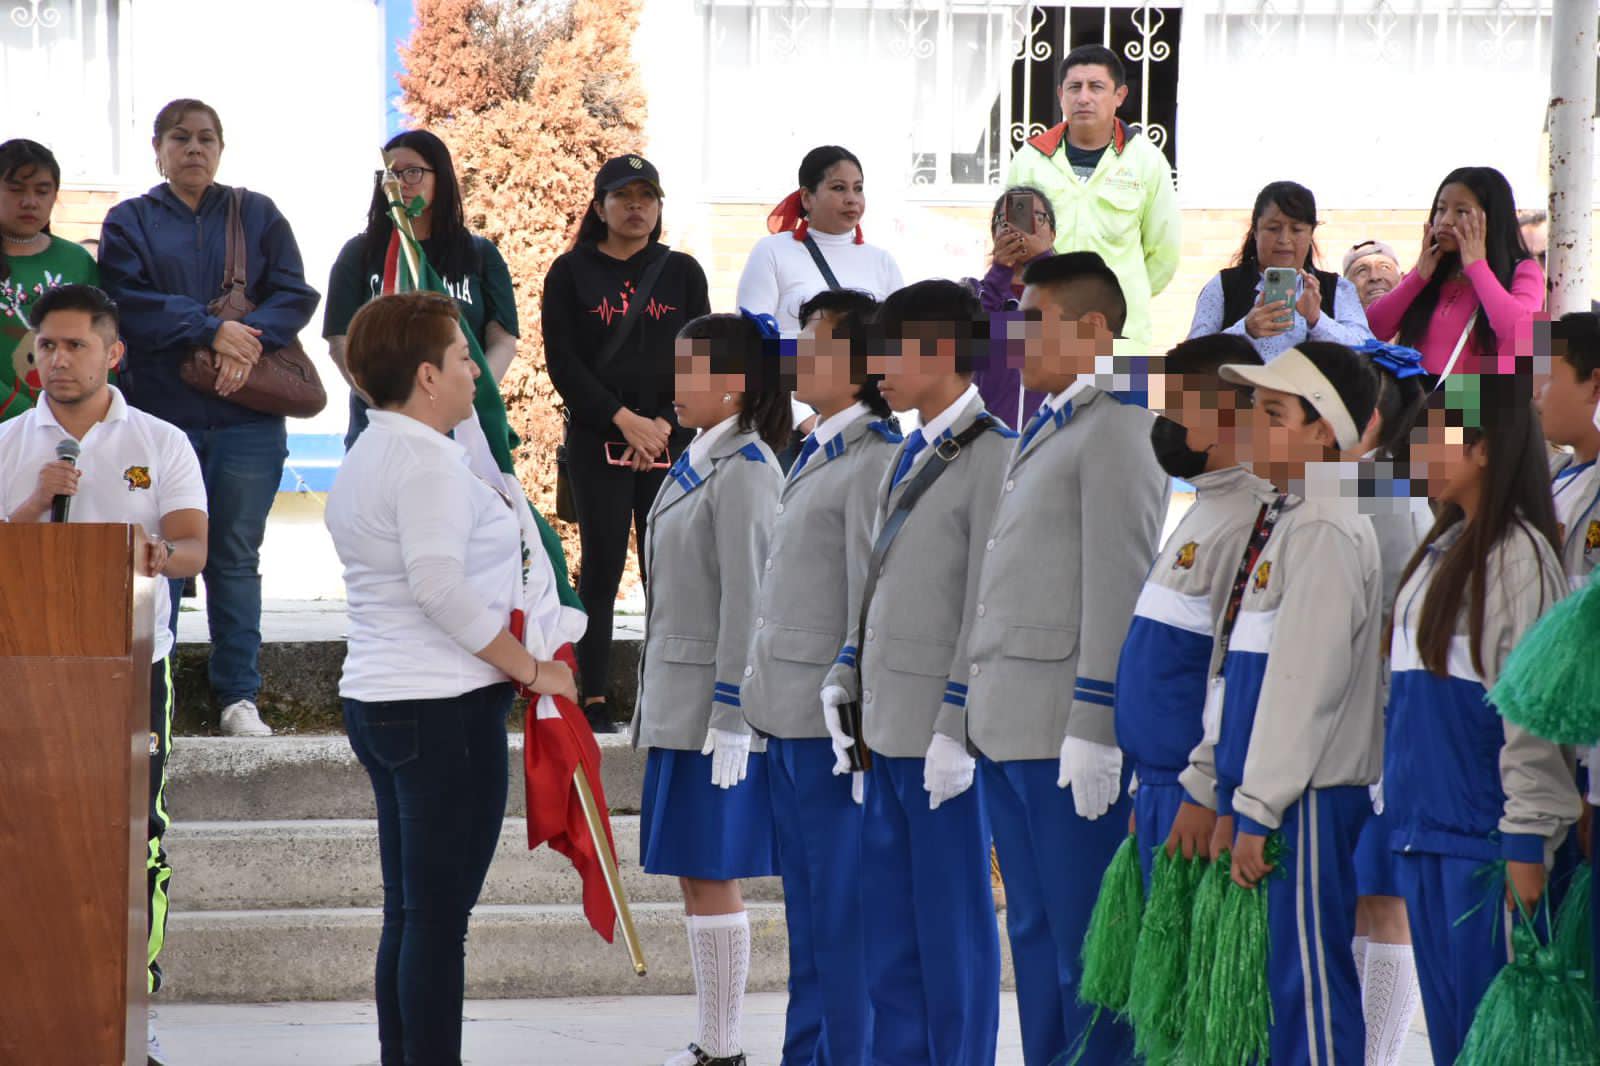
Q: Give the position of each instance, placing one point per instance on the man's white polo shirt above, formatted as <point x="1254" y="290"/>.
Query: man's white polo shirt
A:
<point x="136" y="469"/>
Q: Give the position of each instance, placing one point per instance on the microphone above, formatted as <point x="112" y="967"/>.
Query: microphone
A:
<point x="67" y="450"/>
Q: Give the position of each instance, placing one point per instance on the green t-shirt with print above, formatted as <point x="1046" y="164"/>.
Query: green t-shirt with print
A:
<point x="26" y="278"/>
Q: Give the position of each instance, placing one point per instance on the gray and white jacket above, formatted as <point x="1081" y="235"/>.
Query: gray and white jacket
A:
<point x="1577" y="497"/>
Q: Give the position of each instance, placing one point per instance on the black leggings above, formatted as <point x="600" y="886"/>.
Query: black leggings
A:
<point x="612" y="501"/>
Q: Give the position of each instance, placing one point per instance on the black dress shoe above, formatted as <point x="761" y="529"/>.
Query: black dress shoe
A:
<point x="599" y="716"/>
<point x="702" y="1059"/>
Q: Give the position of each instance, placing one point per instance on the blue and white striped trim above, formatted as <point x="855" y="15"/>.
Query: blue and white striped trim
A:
<point x="1162" y="603"/>
<point x="725" y="693"/>
<point x="687" y="477"/>
<point x="847" y="655"/>
<point x="1090" y="690"/>
<point x="955" y="694"/>
<point x="1252" y="632"/>
<point x="1405" y="655"/>
<point x="753" y="453"/>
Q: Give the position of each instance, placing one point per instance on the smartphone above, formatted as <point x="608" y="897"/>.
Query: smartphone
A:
<point x="1278" y="284"/>
<point x="1019" y="211"/>
<point x="614" y="450"/>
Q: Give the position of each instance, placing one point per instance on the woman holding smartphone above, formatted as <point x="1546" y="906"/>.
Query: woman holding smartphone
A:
<point x="1023" y="225"/>
<point x="1273" y="294"/>
<point x="612" y="307"/>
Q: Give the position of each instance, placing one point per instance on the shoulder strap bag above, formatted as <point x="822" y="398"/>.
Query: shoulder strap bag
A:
<point x="822" y="263"/>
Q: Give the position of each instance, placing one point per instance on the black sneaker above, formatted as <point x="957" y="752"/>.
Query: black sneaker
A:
<point x="703" y="1059"/>
<point x="599" y="716"/>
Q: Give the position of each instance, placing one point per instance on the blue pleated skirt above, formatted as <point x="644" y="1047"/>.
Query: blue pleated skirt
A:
<point x="689" y="827"/>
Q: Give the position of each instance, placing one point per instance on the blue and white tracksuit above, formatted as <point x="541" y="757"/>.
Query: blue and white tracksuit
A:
<point x="1463" y="787"/>
<point x="1300" y="741"/>
<point x="1167" y="655"/>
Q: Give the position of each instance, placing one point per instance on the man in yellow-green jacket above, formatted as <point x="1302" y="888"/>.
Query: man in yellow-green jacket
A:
<point x="1110" y="186"/>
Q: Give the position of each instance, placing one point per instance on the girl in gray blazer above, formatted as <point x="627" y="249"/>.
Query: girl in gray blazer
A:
<point x="705" y="816"/>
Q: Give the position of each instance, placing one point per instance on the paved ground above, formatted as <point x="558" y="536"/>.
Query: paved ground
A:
<point x="632" y="1031"/>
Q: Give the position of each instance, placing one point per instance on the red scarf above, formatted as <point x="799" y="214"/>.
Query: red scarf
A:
<point x="787" y="217"/>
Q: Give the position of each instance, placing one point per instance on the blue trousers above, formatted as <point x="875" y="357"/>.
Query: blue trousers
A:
<point x="1311" y="914"/>
<point x="1052" y="861"/>
<point x="438" y="770"/>
<point x="818" y="828"/>
<point x="1155" y="808"/>
<point x="927" y="911"/>
<point x="1460" y="935"/>
<point x="241" y="466"/>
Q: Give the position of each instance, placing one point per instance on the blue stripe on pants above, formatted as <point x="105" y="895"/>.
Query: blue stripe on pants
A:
<point x="1052" y="861"/>
<point x="927" y="910"/>
<point x="818" y="829"/>
<point x="1311" y="913"/>
<point x="1155" y="808"/>
<point x="1459" y="936"/>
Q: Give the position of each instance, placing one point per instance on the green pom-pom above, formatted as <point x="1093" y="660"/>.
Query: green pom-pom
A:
<point x="1203" y="919"/>
<point x="1239" y="1008"/>
<point x="1113" y="934"/>
<point x="1537" y="1010"/>
<point x="1574" y="939"/>
<point x="1161" y="961"/>
<point x="1551" y="682"/>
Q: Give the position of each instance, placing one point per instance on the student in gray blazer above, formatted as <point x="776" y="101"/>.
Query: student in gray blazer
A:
<point x="932" y="949"/>
<point x="811" y="578"/>
<point x="705" y="816"/>
<point x="1075" y="530"/>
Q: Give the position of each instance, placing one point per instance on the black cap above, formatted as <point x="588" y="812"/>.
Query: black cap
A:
<point x="625" y="170"/>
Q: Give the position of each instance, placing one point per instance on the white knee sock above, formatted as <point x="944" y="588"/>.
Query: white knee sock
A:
<point x="1358" y="948"/>
<point x="1389" y="996"/>
<point x="720" y="947"/>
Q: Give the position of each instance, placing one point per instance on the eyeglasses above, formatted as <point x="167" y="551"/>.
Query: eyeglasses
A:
<point x="412" y="175"/>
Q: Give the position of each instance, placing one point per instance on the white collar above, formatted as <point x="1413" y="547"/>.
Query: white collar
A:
<point x="934" y="427"/>
<point x="46" y="415"/>
<point x="847" y="237"/>
<point x="834" y="425"/>
<point x="1058" y="400"/>
<point x="707" y="439"/>
<point x="413" y="429"/>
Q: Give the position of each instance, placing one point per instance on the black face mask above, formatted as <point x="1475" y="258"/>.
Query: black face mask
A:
<point x="1171" y="443"/>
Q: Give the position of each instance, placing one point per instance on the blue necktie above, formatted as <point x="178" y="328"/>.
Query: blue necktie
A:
<point x="915" y="442"/>
<point x="1036" y="423"/>
<point x="807" y="449"/>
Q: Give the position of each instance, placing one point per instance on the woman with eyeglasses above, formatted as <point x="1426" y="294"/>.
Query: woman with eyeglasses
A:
<point x="471" y="266"/>
<point x="1000" y="379"/>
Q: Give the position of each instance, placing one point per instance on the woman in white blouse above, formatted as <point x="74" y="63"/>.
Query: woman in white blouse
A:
<point x="1326" y="307"/>
<point x="433" y="565"/>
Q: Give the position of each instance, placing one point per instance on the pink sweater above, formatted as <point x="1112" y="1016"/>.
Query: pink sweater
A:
<point x="1510" y="315"/>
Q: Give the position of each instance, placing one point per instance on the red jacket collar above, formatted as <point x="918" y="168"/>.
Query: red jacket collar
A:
<point x="1049" y="142"/>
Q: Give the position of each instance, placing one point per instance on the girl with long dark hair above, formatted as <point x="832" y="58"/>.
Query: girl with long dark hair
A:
<point x="471" y="266"/>
<point x="1326" y="307"/>
<point x="1464" y="788"/>
<point x="706" y="814"/>
<point x="32" y="261"/>
<point x="1471" y="298"/>
<point x="613" y="370"/>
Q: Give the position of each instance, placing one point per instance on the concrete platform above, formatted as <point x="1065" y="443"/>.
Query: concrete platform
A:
<point x="223" y="866"/>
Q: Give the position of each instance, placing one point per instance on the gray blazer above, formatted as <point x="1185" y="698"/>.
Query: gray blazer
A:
<point x="704" y="546"/>
<point x="915" y="661"/>
<point x="1076" y="529"/>
<point x="813" y="575"/>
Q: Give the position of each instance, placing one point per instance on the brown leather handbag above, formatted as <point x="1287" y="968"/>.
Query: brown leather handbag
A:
<point x="283" y="381"/>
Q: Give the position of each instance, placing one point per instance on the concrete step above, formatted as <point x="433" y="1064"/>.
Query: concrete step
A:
<point x="226" y="866"/>
<point x="244" y="779"/>
<point x="512" y="952"/>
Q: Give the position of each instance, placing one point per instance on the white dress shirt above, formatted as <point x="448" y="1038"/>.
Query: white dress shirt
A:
<point x="934" y="427"/>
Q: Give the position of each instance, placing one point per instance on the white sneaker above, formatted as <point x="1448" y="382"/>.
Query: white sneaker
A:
<point x="153" y="1051"/>
<point x="241" y="719"/>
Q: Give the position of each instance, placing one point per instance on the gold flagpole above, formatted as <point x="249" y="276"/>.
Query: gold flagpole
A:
<point x="608" y="863"/>
<point x="402" y="221"/>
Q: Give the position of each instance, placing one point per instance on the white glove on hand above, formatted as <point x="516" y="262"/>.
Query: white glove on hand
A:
<point x="834" y="697"/>
<point x="1375" y="793"/>
<point x="1094" y="771"/>
<point x="858" y="791"/>
<point x="947" y="770"/>
<point x="730" y="756"/>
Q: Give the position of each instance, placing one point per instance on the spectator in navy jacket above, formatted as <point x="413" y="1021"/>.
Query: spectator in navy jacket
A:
<point x="161" y="259"/>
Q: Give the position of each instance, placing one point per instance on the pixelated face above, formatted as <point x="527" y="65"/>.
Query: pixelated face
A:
<point x="1282" y="241"/>
<point x="1566" y="404"/>
<point x="1373" y="276"/>
<point x="1441" y="457"/>
<point x="839" y="200"/>
<point x="1089" y="96"/>
<point x="1279" y="442"/>
<point x="27" y="196"/>
<point x="698" y="393"/>
<point x="1454" y="205"/>
<point x="822" y="363"/>
<point x="1056" y="350"/>
<point x="73" y="357"/>
<point x="1211" y="410"/>
<point x="915" y="364"/>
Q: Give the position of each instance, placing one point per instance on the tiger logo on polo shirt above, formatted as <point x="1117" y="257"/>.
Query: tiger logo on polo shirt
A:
<point x="1263" y="575"/>
<point x="1184" y="560"/>
<point x="1591" y="536"/>
<point x="137" y="477"/>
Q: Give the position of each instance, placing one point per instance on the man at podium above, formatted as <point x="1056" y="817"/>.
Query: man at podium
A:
<point x="82" y="454"/>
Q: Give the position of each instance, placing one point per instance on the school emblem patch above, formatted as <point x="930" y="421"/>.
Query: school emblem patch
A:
<point x="1591" y="536"/>
<point x="1263" y="575"/>
<point x="1185" y="557"/>
<point x="137" y="477"/>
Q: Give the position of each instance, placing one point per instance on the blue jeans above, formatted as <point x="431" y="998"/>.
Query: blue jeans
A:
<point x="241" y="466"/>
<point x="438" y="768"/>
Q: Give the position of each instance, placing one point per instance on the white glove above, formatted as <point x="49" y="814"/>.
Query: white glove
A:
<point x="1095" y="773"/>
<point x="858" y="781"/>
<point x="730" y="756"/>
<point x="1375" y="793"/>
<point x="947" y="770"/>
<point x="834" y="697"/>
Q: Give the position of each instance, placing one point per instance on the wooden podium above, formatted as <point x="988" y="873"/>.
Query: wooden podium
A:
<point x="75" y="647"/>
